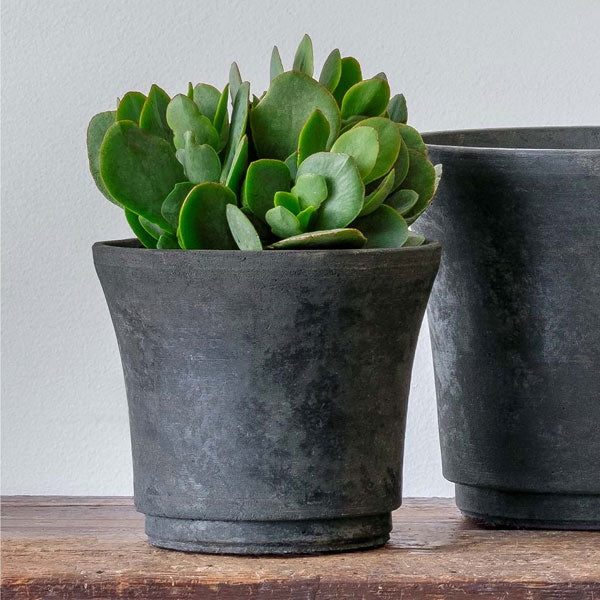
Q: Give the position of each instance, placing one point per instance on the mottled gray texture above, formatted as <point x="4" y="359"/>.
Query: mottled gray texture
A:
<point x="515" y="323"/>
<point x="267" y="386"/>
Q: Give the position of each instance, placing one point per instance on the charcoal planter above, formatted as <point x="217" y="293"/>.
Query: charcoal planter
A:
<point x="514" y="319"/>
<point x="267" y="391"/>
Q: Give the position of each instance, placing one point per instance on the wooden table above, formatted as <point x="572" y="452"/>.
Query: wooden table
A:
<point x="59" y="547"/>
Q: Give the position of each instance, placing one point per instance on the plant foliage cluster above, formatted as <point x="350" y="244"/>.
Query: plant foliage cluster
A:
<point x="327" y="163"/>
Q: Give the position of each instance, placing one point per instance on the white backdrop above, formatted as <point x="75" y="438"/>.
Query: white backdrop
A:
<point x="460" y="63"/>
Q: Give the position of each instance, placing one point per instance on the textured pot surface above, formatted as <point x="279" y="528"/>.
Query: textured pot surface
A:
<point x="515" y="322"/>
<point x="267" y="390"/>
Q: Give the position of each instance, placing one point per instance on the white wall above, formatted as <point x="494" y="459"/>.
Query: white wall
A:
<point x="460" y="63"/>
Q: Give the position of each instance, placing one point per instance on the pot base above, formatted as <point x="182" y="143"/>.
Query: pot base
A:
<point x="529" y="510"/>
<point x="269" y="537"/>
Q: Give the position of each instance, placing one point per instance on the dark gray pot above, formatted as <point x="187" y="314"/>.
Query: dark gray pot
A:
<point x="267" y="391"/>
<point x="515" y="323"/>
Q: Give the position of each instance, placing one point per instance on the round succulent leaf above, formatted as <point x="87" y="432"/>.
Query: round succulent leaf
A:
<point x="303" y="60"/>
<point x="350" y="74"/>
<point x="414" y="239"/>
<point x="321" y="240"/>
<point x="313" y="136"/>
<point x="287" y="200"/>
<point x="383" y="228"/>
<point x="362" y="144"/>
<point x="151" y="228"/>
<point x="153" y="117"/>
<point x="389" y="145"/>
<point x="200" y="161"/>
<point x="397" y="109"/>
<point x="279" y="117"/>
<point x="276" y="66"/>
<point x="401" y="165"/>
<point x="264" y="178"/>
<point x="242" y="230"/>
<point x="234" y="178"/>
<point x="239" y="122"/>
<point x="183" y="115"/>
<point x="345" y="189"/>
<point x="167" y="241"/>
<point x="376" y="198"/>
<point x="206" y="97"/>
<point x="292" y="162"/>
<point x="349" y="123"/>
<point x="310" y="189"/>
<point x="139" y="170"/>
<point x="221" y="112"/>
<point x="412" y="138"/>
<point x="331" y="71"/>
<point x="130" y="107"/>
<point x="172" y="204"/>
<point x="369" y="97"/>
<point x="305" y="217"/>
<point x="402" y="201"/>
<point x="235" y="80"/>
<point x="203" y="220"/>
<point x="134" y="222"/>
<point x="421" y="178"/>
<point x="96" y="131"/>
<point x="283" y="222"/>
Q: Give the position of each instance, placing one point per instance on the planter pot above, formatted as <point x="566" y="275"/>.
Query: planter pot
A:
<point x="267" y="391"/>
<point x="515" y="323"/>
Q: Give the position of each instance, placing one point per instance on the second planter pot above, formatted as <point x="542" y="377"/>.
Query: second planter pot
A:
<point x="267" y="391"/>
<point x="515" y="323"/>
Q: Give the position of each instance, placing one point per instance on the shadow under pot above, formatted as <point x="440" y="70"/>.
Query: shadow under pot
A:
<point x="267" y="391"/>
<point x="514" y="320"/>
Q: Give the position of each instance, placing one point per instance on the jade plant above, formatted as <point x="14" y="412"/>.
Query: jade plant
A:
<point x="327" y="163"/>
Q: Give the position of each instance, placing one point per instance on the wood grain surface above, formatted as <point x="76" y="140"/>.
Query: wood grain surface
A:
<point x="60" y="547"/>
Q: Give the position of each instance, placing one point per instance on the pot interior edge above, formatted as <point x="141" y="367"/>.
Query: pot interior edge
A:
<point x="586" y="138"/>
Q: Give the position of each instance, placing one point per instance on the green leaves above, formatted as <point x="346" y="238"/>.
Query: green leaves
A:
<point x="311" y="190"/>
<point x="389" y="145"/>
<point x="421" y="178"/>
<point x="183" y="115"/>
<point x="384" y="228"/>
<point x="350" y="74"/>
<point x="276" y="67"/>
<point x="303" y="60"/>
<point x="203" y="221"/>
<point x="332" y="71"/>
<point x="283" y="222"/>
<point x="344" y="185"/>
<point x="397" y="109"/>
<point x="241" y="228"/>
<point x="264" y="178"/>
<point x="313" y="136"/>
<point x="130" y="107"/>
<point x="321" y="240"/>
<point x="239" y="120"/>
<point x="139" y="170"/>
<point x="171" y="207"/>
<point x="200" y="161"/>
<point x="188" y="176"/>
<point x="362" y="144"/>
<point x="95" y="134"/>
<point x="206" y="97"/>
<point x="279" y="117"/>
<point x="153" y="117"/>
<point x="369" y="97"/>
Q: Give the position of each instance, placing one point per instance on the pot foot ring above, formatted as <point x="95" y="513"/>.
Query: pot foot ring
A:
<point x="269" y="537"/>
<point x="499" y="508"/>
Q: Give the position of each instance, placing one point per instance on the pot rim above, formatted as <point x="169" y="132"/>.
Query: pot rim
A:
<point x="130" y="246"/>
<point x="511" y="149"/>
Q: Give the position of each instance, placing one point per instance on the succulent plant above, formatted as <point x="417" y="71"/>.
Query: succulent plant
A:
<point x="327" y="163"/>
